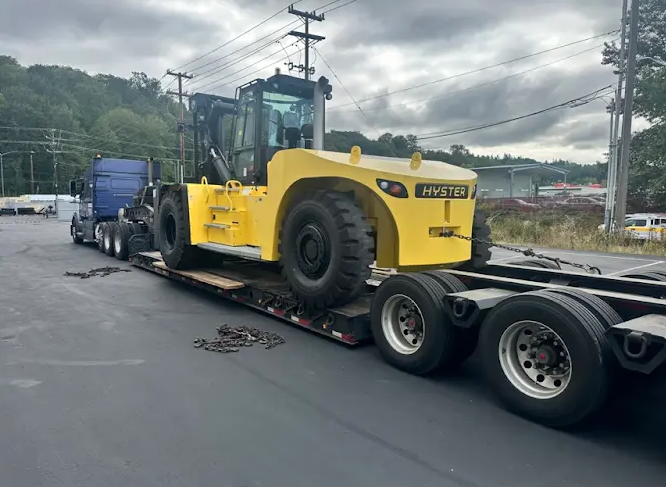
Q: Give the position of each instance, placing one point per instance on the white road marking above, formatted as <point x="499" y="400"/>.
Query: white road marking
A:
<point x="21" y="383"/>
<point x="82" y="362"/>
<point x="635" y="268"/>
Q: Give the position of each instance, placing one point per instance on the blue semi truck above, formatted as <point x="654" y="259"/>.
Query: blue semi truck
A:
<point x="115" y="204"/>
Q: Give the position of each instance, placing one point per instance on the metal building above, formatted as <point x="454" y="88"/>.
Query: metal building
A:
<point x="513" y="181"/>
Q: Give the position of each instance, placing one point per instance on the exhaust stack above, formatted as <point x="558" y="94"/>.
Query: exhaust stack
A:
<point x="321" y="92"/>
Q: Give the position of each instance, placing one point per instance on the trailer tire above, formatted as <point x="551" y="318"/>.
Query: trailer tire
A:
<point x="440" y="337"/>
<point x="326" y="249"/>
<point x="121" y="239"/>
<point x="110" y="229"/>
<point x="176" y="252"/>
<point x="600" y="308"/>
<point x="576" y="336"/>
<point x="468" y="339"/>
<point x="480" y="250"/>
<point x="646" y="276"/>
<point x="542" y="264"/>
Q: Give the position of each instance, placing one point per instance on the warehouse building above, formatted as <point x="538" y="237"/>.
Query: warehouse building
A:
<point x="513" y="181"/>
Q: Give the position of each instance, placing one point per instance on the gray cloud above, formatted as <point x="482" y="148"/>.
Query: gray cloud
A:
<point x="375" y="46"/>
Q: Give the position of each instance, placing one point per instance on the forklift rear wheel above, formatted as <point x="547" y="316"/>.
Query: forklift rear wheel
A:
<point x="121" y="239"/>
<point x="110" y="230"/>
<point x="410" y="326"/>
<point x="480" y="248"/>
<point x="326" y="249"/>
<point x="99" y="236"/>
<point x="173" y="231"/>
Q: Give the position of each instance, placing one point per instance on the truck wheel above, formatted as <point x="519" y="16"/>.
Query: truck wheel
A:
<point x="480" y="250"/>
<point x="99" y="236"/>
<point x="120" y="240"/>
<point x="409" y="324"/>
<point x="326" y="249"/>
<point x="467" y="339"/>
<point x="542" y="264"/>
<point x="110" y="229"/>
<point x="173" y="232"/>
<point x="77" y="240"/>
<point x="546" y="357"/>
<point x="600" y="308"/>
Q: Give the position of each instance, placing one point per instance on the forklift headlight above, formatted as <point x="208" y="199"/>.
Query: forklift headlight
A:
<point x="474" y="191"/>
<point x="392" y="188"/>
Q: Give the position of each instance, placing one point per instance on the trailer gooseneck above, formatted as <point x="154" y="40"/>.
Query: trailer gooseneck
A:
<point x="550" y="339"/>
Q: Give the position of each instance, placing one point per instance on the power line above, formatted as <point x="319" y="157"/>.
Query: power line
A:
<point x="352" y="98"/>
<point x="585" y="99"/>
<point x="478" y="70"/>
<point x="238" y="36"/>
<point x="473" y="87"/>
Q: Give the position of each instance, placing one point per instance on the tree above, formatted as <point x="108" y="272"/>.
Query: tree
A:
<point x="647" y="152"/>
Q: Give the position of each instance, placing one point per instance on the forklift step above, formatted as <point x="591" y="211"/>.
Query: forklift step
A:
<point x="244" y="251"/>
<point x="221" y="226"/>
<point x="220" y="208"/>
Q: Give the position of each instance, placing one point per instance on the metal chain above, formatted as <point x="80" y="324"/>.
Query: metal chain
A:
<point x="232" y="339"/>
<point x="100" y="271"/>
<point x="527" y="252"/>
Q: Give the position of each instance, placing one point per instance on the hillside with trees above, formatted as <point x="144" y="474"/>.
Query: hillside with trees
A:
<point x="46" y="109"/>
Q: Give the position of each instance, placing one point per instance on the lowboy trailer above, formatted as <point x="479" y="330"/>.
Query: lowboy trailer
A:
<point x="551" y="340"/>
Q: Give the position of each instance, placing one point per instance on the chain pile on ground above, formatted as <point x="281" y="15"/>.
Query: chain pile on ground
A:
<point x="98" y="272"/>
<point x="232" y="339"/>
<point x="526" y="252"/>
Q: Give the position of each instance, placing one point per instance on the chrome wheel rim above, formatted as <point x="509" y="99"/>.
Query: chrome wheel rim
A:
<point x="403" y="324"/>
<point x="535" y="359"/>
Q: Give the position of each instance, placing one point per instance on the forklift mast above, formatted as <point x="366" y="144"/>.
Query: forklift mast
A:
<point x="238" y="137"/>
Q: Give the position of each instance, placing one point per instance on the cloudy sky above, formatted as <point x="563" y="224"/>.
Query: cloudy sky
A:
<point x="380" y="49"/>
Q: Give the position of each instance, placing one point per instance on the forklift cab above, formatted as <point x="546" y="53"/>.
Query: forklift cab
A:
<point x="281" y="112"/>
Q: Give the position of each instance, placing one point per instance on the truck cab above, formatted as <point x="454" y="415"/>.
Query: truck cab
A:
<point x="107" y="186"/>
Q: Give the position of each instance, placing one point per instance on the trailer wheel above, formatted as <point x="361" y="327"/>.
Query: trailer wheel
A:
<point x="409" y="324"/>
<point x="546" y="357"/>
<point x="75" y="238"/>
<point x="121" y="239"/>
<point x="543" y="264"/>
<point x="99" y="236"/>
<point x="110" y="229"/>
<point x="480" y="250"/>
<point x="326" y="249"/>
<point x="600" y="308"/>
<point x="173" y="234"/>
<point x="646" y="276"/>
<point x="468" y="339"/>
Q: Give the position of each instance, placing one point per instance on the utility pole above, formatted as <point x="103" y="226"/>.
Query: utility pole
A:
<point x="623" y="171"/>
<point x="612" y="178"/>
<point x="180" y="171"/>
<point x="307" y="38"/>
<point x="32" y="174"/>
<point x="54" y="149"/>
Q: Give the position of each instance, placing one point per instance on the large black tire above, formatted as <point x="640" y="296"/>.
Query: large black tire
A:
<point x="540" y="263"/>
<point x="480" y="250"/>
<point x="176" y="251"/>
<point x="110" y="229"/>
<point x="440" y="338"/>
<point x="646" y="276"/>
<point x="76" y="239"/>
<point x="467" y="339"/>
<point x="121" y="239"/>
<point x="100" y="240"/>
<point x="326" y="249"/>
<point x="588" y="351"/>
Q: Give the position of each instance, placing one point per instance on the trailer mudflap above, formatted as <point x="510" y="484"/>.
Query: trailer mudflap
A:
<point x="468" y="308"/>
<point x="640" y="343"/>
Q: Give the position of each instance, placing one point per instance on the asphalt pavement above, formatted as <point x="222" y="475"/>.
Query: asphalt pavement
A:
<point x="100" y="386"/>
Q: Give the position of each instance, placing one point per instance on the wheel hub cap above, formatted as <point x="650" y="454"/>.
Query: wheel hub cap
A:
<point x="312" y="250"/>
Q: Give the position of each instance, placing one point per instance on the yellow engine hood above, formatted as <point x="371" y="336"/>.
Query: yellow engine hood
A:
<point x="401" y="167"/>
